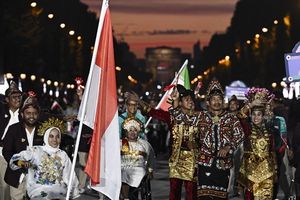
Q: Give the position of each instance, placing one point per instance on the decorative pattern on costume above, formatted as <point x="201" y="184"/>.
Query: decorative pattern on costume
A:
<point x="228" y="132"/>
<point x="50" y="171"/>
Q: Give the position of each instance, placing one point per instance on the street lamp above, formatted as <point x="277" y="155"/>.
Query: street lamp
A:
<point x="33" y="4"/>
<point x="62" y="25"/>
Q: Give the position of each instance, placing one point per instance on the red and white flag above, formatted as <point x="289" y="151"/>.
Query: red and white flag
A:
<point x="101" y="113"/>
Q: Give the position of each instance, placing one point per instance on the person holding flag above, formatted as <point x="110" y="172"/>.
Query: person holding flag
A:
<point x="99" y="111"/>
<point x="183" y="124"/>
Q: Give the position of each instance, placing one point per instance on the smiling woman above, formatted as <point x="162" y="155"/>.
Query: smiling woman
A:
<point x="135" y="20"/>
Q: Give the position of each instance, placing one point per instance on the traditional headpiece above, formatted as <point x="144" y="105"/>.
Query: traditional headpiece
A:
<point x="184" y="92"/>
<point x="50" y="123"/>
<point x="13" y="88"/>
<point x="131" y="96"/>
<point x="233" y="98"/>
<point x="132" y="122"/>
<point x="259" y="93"/>
<point x="31" y="100"/>
<point x="259" y="108"/>
<point x="214" y="88"/>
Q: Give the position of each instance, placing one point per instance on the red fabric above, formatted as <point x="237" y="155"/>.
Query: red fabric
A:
<point x="176" y="186"/>
<point x="249" y="195"/>
<point x="107" y="100"/>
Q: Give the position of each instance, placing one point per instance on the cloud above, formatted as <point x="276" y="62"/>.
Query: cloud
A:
<point x="167" y="7"/>
<point x="159" y="32"/>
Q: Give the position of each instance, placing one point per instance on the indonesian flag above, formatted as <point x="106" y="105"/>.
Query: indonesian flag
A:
<point x="181" y="78"/>
<point x="99" y="107"/>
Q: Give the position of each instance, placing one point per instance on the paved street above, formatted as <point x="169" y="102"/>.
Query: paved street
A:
<point x="160" y="183"/>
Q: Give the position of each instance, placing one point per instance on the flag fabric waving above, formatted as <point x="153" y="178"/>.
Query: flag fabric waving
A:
<point x="101" y="113"/>
<point x="182" y="78"/>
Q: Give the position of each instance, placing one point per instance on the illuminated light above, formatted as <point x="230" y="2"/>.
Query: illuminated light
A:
<point x="50" y="16"/>
<point x="147" y="93"/>
<point x="264" y="29"/>
<point x="56" y="93"/>
<point x="68" y="86"/>
<point x="192" y="66"/>
<point x="275" y="21"/>
<point x="50" y="92"/>
<point x="158" y="87"/>
<point x="257" y="36"/>
<point x="205" y="73"/>
<point x="274" y="85"/>
<point x="44" y="88"/>
<point x="33" y="77"/>
<point x="71" y="32"/>
<point x="199" y="77"/>
<point x="9" y="76"/>
<point x="62" y="25"/>
<point x="202" y="96"/>
<point x="55" y="83"/>
<point x="49" y="82"/>
<point x="283" y="84"/>
<point x="129" y="77"/>
<point x="42" y="80"/>
<point x="72" y="86"/>
<point x="118" y="68"/>
<point x="33" y="4"/>
<point x="62" y="84"/>
<point x="237" y="50"/>
<point x="23" y="76"/>
<point x="79" y="38"/>
<point x="160" y="95"/>
<point x="248" y="42"/>
<point x="92" y="48"/>
<point x="227" y="58"/>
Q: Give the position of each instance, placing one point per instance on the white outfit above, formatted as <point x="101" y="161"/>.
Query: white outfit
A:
<point x="49" y="174"/>
<point x="135" y="161"/>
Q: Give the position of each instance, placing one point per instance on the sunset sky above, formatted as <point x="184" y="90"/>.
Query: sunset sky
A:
<point x="176" y="23"/>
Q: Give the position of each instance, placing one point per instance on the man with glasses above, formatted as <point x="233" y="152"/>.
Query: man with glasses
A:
<point x="9" y="114"/>
<point x="131" y="104"/>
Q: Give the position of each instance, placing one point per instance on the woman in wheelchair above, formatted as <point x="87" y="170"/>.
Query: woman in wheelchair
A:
<point x="136" y="161"/>
<point x="48" y="166"/>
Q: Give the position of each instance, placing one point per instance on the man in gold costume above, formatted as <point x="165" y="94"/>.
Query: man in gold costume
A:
<point x="183" y="124"/>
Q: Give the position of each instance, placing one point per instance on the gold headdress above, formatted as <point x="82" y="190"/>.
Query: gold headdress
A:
<point x="214" y="88"/>
<point x="52" y="122"/>
<point x="132" y="122"/>
<point x="259" y="93"/>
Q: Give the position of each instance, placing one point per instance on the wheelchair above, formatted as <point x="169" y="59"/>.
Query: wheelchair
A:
<point x="143" y="192"/>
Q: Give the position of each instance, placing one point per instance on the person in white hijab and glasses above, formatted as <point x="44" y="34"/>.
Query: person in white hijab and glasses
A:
<point x="48" y="166"/>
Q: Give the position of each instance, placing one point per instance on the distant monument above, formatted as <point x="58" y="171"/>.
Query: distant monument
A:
<point x="163" y="62"/>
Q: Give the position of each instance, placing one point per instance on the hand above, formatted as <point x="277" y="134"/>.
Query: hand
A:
<point x="24" y="164"/>
<point x="175" y="94"/>
<point x="257" y="102"/>
<point x="224" y="151"/>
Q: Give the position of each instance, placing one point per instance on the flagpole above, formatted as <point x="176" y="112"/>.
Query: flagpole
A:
<point x="166" y="93"/>
<point x="87" y="90"/>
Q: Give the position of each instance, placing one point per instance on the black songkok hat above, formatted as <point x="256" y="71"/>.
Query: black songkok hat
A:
<point x="184" y="92"/>
<point x="214" y="88"/>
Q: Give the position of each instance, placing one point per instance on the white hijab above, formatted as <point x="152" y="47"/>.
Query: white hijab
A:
<point x="46" y="146"/>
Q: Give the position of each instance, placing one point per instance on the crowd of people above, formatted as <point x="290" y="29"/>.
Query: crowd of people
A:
<point x="217" y="151"/>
